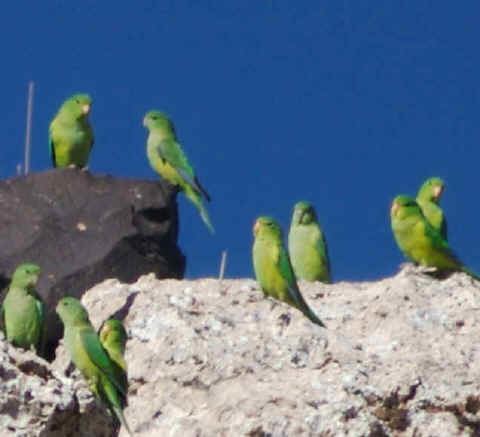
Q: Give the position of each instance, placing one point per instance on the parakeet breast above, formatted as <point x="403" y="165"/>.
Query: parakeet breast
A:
<point x="267" y="271"/>
<point x="22" y="321"/>
<point x="307" y="253"/>
<point x="71" y="145"/>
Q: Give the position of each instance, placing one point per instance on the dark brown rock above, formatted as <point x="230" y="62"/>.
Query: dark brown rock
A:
<point x="83" y="228"/>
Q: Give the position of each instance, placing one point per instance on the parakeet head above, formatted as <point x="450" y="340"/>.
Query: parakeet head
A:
<point x="403" y="206"/>
<point x="266" y="226"/>
<point x="303" y="213"/>
<point x="71" y="310"/>
<point x="26" y="275"/>
<point x="113" y="330"/>
<point x="431" y="189"/>
<point x="78" y="105"/>
<point x="157" y="119"/>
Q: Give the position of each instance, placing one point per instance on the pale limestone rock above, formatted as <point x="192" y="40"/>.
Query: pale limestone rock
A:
<point x="400" y="356"/>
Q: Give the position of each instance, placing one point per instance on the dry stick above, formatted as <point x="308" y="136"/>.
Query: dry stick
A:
<point x="223" y="264"/>
<point x="28" y="128"/>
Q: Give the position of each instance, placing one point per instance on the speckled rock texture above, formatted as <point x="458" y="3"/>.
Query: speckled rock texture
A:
<point x="36" y="401"/>
<point x="206" y="358"/>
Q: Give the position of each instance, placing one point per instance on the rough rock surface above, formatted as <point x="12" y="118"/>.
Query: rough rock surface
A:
<point x="83" y="228"/>
<point x="36" y="401"/>
<point x="400" y="356"/>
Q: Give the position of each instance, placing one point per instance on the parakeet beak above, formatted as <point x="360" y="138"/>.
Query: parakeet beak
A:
<point x="437" y="191"/>
<point x="145" y="121"/>
<point x="302" y="216"/>
<point x="256" y="227"/>
<point x="86" y="109"/>
<point x="394" y="208"/>
<point x="105" y="330"/>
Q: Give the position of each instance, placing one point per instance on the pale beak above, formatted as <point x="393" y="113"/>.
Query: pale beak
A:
<point x="394" y="208"/>
<point x="86" y="109"/>
<point x="256" y="227"/>
<point x="145" y="121"/>
<point x="437" y="191"/>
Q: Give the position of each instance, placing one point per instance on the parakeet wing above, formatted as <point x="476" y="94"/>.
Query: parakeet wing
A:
<point x="439" y="243"/>
<point x="52" y="150"/>
<point x="99" y="357"/>
<point x="171" y="151"/>
<point x="287" y="272"/>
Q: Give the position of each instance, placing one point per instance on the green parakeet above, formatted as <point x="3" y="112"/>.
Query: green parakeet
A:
<point x="428" y="198"/>
<point x="89" y="356"/>
<point x="70" y="133"/>
<point x="114" y="338"/>
<point x="23" y="312"/>
<point x="272" y="267"/>
<point x="307" y="246"/>
<point x="420" y="241"/>
<point x="167" y="158"/>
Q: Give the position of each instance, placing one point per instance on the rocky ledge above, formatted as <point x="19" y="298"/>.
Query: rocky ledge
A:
<point x="400" y="357"/>
<point x="82" y="228"/>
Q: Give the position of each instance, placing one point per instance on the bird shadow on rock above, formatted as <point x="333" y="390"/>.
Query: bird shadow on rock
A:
<point x="440" y="274"/>
<point x="123" y="311"/>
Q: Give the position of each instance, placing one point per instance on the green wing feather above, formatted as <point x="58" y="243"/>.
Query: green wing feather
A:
<point x="99" y="357"/>
<point x="438" y="242"/>
<point x="171" y="151"/>
<point x="52" y="150"/>
<point x="286" y="271"/>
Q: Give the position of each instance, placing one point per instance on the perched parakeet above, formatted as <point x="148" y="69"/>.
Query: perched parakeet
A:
<point x="307" y="246"/>
<point x="70" y="133"/>
<point x="89" y="356"/>
<point x="428" y="198"/>
<point x="167" y="158"/>
<point x="420" y="241"/>
<point x="23" y="312"/>
<point x="114" y="338"/>
<point x="272" y="267"/>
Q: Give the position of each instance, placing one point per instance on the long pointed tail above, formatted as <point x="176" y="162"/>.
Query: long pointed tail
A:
<point x="113" y="398"/>
<point x="197" y="201"/>
<point x="119" y="413"/>
<point x="313" y="317"/>
<point x="299" y="302"/>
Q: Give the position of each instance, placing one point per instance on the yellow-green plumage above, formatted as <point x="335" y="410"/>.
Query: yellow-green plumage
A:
<point x="273" y="269"/>
<point x="167" y="158"/>
<point x="114" y="338"/>
<point x="307" y="246"/>
<point x="70" y="134"/>
<point x="428" y="198"/>
<point x="23" y="311"/>
<point x="90" y="358"/>
<point x="418" y="240"/>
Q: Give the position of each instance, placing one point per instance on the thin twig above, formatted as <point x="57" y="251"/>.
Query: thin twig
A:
<point x="223" y="264"/>
<point x="28" y="128"/>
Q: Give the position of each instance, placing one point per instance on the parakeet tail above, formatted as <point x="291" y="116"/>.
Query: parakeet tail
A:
<point x="313" y="318"/>
<point x="197" y="201"/>
<point x="306" y="310"/>
<point x="119" y="413"/>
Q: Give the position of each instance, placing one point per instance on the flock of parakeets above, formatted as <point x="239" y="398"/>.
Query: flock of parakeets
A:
<point x="418" y="225"/>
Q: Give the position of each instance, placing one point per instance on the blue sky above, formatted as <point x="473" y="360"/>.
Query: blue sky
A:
<point x="341" y="103"/>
